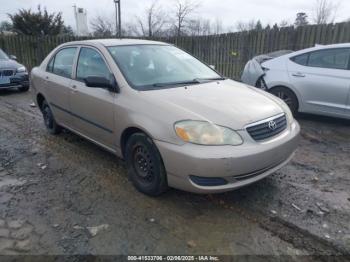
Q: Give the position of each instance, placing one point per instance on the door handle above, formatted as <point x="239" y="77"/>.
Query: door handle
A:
<point x="298" y="74"/>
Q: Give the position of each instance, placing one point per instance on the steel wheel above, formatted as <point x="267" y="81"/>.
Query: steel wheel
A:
<point x="49" y="119"/>
<point x="145" y="166"/>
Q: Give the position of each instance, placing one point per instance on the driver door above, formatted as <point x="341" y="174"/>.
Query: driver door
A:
<point x="93" y="108"/>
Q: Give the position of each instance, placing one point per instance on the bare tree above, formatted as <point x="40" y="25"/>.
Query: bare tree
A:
<point x="246" y="26"/>
<point x="196" y="27"/>
<point x="102" y="27"/>
<point x="218" y="28"/>
<point x="183" y="9"/>
<point x="154" y="21"/>
<point x="284" y="23"/>
<point x="5" y="26"/>
<point x="325" y="12"/>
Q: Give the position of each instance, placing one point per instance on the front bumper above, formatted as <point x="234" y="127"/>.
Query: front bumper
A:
<point x="237" y="165"/>
<point x="15" y="81"/>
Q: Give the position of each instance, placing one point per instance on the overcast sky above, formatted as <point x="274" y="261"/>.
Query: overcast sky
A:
<point x="229" y="11"/>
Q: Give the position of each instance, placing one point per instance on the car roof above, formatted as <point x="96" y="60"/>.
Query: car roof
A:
<point x="116" y="42"/>
<point x="319" y="47"/>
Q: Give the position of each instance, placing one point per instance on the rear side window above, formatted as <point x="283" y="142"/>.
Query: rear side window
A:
<point x="330" y="58"/>
<point x="334" y="59"/>
<point x="62" y="63"/>
<point x="91" y="63"/>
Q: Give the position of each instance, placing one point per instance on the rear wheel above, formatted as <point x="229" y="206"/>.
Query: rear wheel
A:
<point x="49" y="120"/>
<point x="145" y="166"/>
<point x="287" y="96"/>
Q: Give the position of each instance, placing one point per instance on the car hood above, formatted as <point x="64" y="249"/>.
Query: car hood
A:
<point x="227" y="103"/>
<point x="9" y="64"/>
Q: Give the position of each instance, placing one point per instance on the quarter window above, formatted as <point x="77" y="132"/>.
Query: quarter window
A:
<point x="62" y="63"/>
<point x="91" y="63"/>
<point x="301" y="59"/>
<point x="50" y="65"/>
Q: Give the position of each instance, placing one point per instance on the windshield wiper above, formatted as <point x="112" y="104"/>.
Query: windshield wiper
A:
<point x="189" y="82"/>
<point x="210" y="79"/>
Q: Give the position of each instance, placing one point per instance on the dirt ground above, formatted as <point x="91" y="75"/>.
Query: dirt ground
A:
<point x="64" y="195"/>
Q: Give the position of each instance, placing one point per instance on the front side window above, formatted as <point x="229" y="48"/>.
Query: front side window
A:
<point x="62" y="63"/>
<point x="91" y="63"/>
<point x="150" y="66"/>
<point x="331" y="58"/>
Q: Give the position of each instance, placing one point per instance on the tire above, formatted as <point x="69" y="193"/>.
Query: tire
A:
<point x="288" y="97"/>
<point x="145" y="166"/>
<point x="23" y="88"/>
<point x="49" y="120"/>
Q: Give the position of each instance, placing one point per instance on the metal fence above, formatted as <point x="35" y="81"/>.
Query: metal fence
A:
<point x="228" y="52"/>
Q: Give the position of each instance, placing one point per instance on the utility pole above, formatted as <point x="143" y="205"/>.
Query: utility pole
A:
<point x="118" y="24"/>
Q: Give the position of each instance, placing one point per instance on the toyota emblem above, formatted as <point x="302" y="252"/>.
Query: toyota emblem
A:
<point x="272" y="125"/>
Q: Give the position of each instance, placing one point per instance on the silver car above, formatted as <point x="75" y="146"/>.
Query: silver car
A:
<point x="175" y="121"/>
<point x="314" y="80"/>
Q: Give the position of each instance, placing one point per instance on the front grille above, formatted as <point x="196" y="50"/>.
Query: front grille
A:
<point x="7" y="72"/>
<point x="267" y="129"/>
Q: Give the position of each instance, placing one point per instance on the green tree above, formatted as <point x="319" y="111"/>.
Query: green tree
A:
<point x="38" y="22"/>
<point x="258" y="26"/>
<point x="67" y="30"/>
<point x="301" y="19"/>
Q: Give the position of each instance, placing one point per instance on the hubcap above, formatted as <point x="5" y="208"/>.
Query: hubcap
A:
<point x="143" y="164"/>
<point x="285" y="98"/>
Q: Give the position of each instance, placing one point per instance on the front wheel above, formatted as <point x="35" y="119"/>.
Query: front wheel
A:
<point x="288" y="97"/>
<point x="145" y="166"/>
<point x="49" y="120"/>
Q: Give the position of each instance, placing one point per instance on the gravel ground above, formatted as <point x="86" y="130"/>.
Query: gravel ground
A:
<point x="64" y="195"/>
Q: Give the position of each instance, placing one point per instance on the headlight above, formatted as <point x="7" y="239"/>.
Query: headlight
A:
<point x="205" y="133"/>
<point x="21" y="69"/>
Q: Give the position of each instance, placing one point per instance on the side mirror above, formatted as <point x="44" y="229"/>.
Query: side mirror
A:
<point x="13" y="57"/>
<point x="102" y="82"/>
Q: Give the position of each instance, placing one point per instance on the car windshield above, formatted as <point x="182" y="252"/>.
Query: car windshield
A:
<point x="160" y="66"/>
<point x="3" y="56"/>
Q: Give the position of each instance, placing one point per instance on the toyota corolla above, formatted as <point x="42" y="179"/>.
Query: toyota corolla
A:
<point x="176" y="121"/>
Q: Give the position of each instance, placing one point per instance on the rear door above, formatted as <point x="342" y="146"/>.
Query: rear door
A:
<point x="57" y="80"/>
<point x="322" y="78"/>
<point x="93" y="108"/>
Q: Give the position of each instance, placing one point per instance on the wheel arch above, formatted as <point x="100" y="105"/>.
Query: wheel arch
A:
<point x="127" y="133"/>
